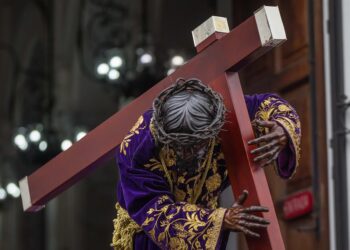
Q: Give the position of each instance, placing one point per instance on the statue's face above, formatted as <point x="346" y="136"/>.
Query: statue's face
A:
<point x="192" y="152"/>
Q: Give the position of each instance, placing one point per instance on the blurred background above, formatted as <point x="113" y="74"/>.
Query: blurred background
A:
<point x="67" y="65"/>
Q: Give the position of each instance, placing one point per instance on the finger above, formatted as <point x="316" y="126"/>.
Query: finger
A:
<point x="267" y="155"/>
<point x="253" y="218"/>
<point x="254" y="123"/>
<point x="265" y="147"/>
<point x="252" y="224"/>
<point x="264" y="138"/>
<point x="254" y="209"/>
<point x="283" y="140"/>
<point x="246" y="231"/>
<point x="273" y="158"/>
<point x="242" y="198"/>
<point x="267" y="124"/>
<point x="231" y="225"/>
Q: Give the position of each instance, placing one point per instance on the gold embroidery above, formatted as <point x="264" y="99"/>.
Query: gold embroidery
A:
<point x="213" y="182"/>
<point x="177" y="243"/>
<point x="284" y="108"/>
<point x="208" y="161"/>
<point x="165" y="169"/>
<point x="194" y="225"/>
<point x="180" y="195"/>
<point x="154" y="164"/>
<point x="214" y="232"/>
<point x="221" y="156"/>
<point x="290" y="127"/>
<point x="124" y="230"/>
<point x="194" y="192"/>
<point x="134" y="130"/>
<point x="170" y="159"/>
<point x="213" y="201"/>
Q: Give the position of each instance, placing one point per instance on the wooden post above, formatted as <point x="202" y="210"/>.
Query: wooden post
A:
<point x="243" y="172"/>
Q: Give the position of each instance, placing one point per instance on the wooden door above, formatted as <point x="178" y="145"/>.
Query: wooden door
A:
<point x="288" y="72"/>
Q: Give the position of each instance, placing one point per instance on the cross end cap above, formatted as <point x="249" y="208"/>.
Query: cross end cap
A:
<point x="209" y="27"/>
<point x="270" y="26"/>
<point x="26" y="199"/>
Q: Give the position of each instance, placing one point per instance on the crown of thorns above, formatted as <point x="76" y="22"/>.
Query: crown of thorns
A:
<point x="208" y="132"/>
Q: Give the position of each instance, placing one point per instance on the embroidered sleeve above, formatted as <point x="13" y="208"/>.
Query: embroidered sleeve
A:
<point x="182" y="225"/>
<point x="276" y="109"/>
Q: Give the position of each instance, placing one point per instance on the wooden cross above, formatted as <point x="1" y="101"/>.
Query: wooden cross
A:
<point x="220" y="55"/>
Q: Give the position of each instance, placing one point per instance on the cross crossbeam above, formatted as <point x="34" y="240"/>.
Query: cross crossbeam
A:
<point x="217" y="58"/>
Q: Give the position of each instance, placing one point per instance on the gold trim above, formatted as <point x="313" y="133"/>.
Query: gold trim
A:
<point x="290" y="129"/>
<point x="213" y="237"/>
<point x="124" y="230"/>
<point x="208" y="161"/>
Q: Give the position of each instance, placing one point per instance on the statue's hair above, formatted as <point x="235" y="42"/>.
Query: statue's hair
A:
<point x="187" y="112"/>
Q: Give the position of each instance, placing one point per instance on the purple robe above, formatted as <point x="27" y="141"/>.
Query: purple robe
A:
<point x="161" y="208"/>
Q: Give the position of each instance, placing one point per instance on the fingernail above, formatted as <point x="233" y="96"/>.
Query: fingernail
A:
<point x="253" y="151"/>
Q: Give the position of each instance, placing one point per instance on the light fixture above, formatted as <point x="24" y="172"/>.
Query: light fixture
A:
<point x="3" y="194"/>
<point x="66" y="144"/>
<point x="116" y="62"/>
<point x="13" y="190"/>
<point x="102" y="69"/>
<point x="113" y="74"/>
<point x="177" y="60"/>
<point x="34" y="135"/>
<point x="21" y="142"/>
<point x="80" y="135"/>
<point x="42" y="146"/>
<point x="146" y="58"/>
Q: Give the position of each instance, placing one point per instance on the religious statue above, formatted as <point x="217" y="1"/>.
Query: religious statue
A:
<point x="172" y="169"/>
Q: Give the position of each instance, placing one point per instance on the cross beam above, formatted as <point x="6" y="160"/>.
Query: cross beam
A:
<point x="219" y="55"/>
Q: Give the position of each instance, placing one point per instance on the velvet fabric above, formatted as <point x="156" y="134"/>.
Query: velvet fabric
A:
<point x="180" y="210"/>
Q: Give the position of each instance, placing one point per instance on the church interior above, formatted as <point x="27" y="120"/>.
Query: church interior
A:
<point x="66" y="66"/>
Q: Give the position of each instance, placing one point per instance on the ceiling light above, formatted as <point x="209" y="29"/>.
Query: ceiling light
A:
<point x="116" y="62"/>
<point x="13" y="190"/>
<point x="3" y="194"/>
<point x="80" y="135"/>
<point x="35" y="136"/>
<point x="113" y="74"/>
<point x="66" y="144"/>
<point x="42" y="146"/>
<point x="21" y="142"/>
<point x="102" y="68"/>
<point x="177" y="60"/>
<point x="146" y="58"/>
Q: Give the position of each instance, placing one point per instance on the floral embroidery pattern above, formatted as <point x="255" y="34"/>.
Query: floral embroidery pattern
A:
<point x="213" y="182"/>
<point x="276" y="109"/>
<point x="183" y="225"/>
<point x="135" y="130"/>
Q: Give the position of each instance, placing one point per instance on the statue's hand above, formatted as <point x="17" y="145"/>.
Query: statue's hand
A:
<point x="269" y="145"/>
<point x="239" y="218"/>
